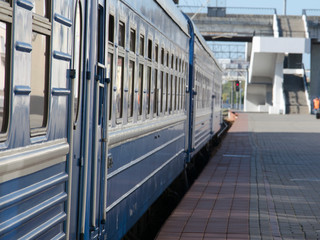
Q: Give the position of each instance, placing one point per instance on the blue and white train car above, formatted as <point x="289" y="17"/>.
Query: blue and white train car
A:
<point x="102" y="105"/>
<point x="205" y="93"/>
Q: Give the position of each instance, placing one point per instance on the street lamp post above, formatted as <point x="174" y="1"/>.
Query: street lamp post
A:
<point x="284" y="7"/>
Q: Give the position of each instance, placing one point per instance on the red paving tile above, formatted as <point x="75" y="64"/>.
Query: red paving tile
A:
<point x="217" y="205"/>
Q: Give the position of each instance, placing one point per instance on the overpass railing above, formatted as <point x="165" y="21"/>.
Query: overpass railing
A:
<point x="229" y="10"/>
<point x="311" y="12"/>
<point x="311" y="19"/>
<point x="306" y="87"/>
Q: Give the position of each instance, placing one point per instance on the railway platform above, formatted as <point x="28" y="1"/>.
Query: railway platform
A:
<point x="262" y="183"/>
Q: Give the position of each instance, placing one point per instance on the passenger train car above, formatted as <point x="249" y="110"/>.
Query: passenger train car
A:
<point x="102" y="105"/>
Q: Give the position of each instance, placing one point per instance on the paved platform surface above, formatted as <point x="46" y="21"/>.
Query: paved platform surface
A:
<point x="262" y="183"/>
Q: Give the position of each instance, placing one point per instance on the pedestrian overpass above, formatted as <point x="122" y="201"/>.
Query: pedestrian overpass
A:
<point x="277" y="80"/>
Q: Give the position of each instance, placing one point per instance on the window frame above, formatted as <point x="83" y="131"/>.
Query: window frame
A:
<point x="80" y="67"/>
<point x="121" y="34"/>
<point x="43" y="25"/>
<point x="7" y="18"/>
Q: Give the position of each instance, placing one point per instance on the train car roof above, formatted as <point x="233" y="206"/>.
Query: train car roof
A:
<point x="174" y="13"/>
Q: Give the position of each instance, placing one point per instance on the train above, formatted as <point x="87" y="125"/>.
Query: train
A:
<point x="102" y="105"/>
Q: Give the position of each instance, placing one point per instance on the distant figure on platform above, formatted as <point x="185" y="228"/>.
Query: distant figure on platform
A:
<point x="316" y="105"/>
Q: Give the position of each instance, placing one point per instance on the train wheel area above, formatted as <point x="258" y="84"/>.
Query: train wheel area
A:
<point x="150" y="223"/>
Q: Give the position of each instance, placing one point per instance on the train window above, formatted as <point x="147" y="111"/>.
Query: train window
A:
<point x="4" y="73"/>
<point x="148" y="89"/>
<point x="183" y="93"/>
<point x="156" y="52"/>
<point x="109" y="75"/>
<point x="172" y="61"/>
<point x="39" y="80"/>
<point x="177" y="89"/>
<point x="179" y="94"/>
<point x="141" y="45"/>
<point x="77" y="60"/>
<point x="149" y="49"/>
<point x="131" y="86"/>
<point x="132" y="40"/>
<point x="168" y="92"/>
<point x="162" y="56"/>
<point x="41" y="8"/>
<point x="161" y="92"/>
<point x="111" y="28"/>
<point x="174" y="93"/>
<point x="171" y="105"/>
<point x="140" y="91"/>
<point x="119" y="85"/>
<point x="177" y="64"/>
<point x="121" y="34"/>
<point x="156" y="92"/>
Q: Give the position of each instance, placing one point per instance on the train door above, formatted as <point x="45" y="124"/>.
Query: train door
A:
<point x="99" y="147"/>
<point x="76" y="109"/>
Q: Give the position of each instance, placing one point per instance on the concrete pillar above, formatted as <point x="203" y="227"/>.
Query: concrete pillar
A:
<point x="278" y="104"/>
<point x="315" y="70"/>
<point x="248" y="51"/>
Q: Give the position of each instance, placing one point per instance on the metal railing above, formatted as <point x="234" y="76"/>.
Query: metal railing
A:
<point x="229" y="10"/>
<point x="306" y="87"/>
<point x="311" y="12"/>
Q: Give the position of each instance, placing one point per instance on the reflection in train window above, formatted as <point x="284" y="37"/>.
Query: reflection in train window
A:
<point x="132" y="40"/>
<point x="140" y="89"/>
<point x="148" y="89"/>
<point x="121" y="35"/>
<point x="41" y="7"/>
<point x="39" y="80"/>
<point x="77" y="61"/>
<point x="141" y="45"/>
<point x="4" y="73"/>
<point x="111" y="29"/>
<point x="119" y="85"/>
<point x="109" y="75"/>
<point x="130" y="89"/>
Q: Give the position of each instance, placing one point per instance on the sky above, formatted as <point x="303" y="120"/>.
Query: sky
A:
<point x="294" y="7"/>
